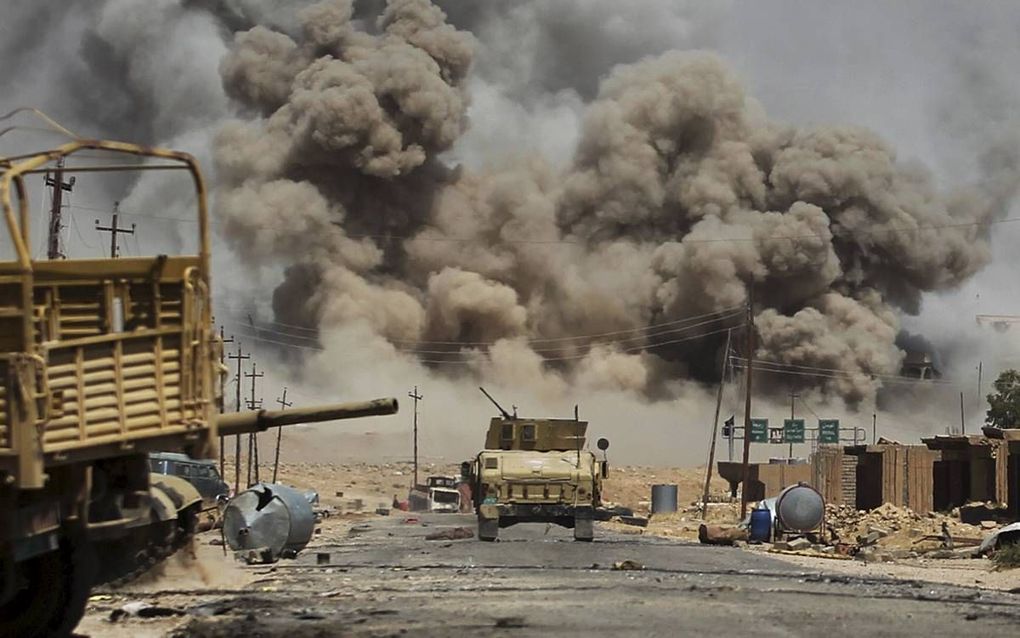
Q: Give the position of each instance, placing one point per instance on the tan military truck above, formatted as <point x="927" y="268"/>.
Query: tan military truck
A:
<point x="537" y="471"/>
<point x="103" y="361"/>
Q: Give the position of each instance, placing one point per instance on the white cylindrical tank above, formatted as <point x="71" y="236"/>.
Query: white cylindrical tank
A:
<point x="800" y="508"/>
<point x="269" y="516"/>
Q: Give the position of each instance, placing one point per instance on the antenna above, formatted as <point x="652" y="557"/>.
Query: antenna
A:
<point x="506" y="415"/>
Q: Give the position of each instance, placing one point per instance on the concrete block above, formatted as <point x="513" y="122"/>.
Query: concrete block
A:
<point x="799" y="544"/>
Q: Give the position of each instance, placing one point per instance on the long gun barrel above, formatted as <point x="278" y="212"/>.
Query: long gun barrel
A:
<point x="261" y="420"/>
<point x="506" y="415"/>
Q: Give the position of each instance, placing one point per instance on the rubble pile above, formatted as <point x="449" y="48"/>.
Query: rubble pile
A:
<point x="897" y="527"/>
<point x="685" y="522"/>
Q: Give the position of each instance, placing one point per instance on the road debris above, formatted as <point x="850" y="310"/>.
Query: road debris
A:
<point x="451" y="534"/>
<point x="627" y="565"/>
<point x="142" y="609"/>
<point x="721" y="534"/>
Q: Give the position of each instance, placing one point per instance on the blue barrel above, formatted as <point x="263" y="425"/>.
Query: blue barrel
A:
<point x="761" y="525"/>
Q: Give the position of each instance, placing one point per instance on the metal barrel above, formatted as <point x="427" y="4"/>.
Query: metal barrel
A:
<point x="269" y="516"/>
<point x="800" y="508"/>
<point x="260" y="420"/>
<point x="664" y="499"/>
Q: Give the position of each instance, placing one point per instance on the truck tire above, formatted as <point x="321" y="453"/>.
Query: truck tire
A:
<point x="584" y="529"/>
<point x="488" y="529"/>
<point x="53" y="602"/>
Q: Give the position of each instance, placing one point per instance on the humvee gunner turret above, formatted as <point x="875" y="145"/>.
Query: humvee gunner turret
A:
<point x="537" y="471"/>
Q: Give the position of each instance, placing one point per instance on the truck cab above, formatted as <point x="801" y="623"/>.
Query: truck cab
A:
<point x="438" y="494"/>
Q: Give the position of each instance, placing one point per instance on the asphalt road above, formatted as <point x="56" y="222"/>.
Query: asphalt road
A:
<point x="384" y="578"/>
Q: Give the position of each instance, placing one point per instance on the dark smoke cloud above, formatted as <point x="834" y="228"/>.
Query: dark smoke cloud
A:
<point x="668" y="186"/>
<point x="680" y="194"/>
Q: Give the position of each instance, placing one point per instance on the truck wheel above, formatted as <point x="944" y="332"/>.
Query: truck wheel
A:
<point x="584" y="529"/>
<point x="488" y="529"/>
<point x="53" y="600"/>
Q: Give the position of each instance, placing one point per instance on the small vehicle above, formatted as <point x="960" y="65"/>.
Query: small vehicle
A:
<point x="439" y="494"/>
<point x="201" y="473"/>
<point x="537" y="471"/>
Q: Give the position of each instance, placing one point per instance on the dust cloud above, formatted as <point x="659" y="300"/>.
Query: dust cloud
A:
<point x="566" y="202"/>
<point x="619" y="272"/>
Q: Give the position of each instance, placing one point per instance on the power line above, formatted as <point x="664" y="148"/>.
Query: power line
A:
<point x="719" y="315"/>
<point x="846" y="376"/>
<point x="849" y="373"/>
<point x="258" y="331"/>
<point x="629" y="350"/>
<point x="834" y="233"/>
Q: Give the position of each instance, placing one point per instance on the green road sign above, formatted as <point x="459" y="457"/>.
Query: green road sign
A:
<point x="828" y="430"/>
<point x="793" y="431"/>
<point x="759" y="430"/>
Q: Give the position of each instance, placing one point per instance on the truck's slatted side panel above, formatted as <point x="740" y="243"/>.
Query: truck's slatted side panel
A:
<point x="140" y="306"/>
<point x="80" y="313"/>
<point x="10" y="341"/>
<point x="5" y="441"/>
<point x="126" y="381"/>
<point x="95" y="405"/>
<point x="80" y="308"/>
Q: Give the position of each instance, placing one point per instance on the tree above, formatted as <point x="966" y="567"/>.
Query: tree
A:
<point x="1004" y="405"/>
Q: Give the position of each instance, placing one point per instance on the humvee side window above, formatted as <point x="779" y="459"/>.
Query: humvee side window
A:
<point x="492" y="463"/>
<point x="528" y="432"/>
<point x="507" y="433"/>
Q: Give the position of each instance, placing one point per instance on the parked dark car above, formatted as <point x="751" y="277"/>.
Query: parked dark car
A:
<point x="203" y="474"/>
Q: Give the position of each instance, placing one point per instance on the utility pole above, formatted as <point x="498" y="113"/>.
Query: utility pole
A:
<point x="253" y="439"/>
<point x="417" y="397"/>
<point x="284" y="404"/>
<point x="747" y="400"/>
<point x="237" y="437"/>
<point x="963" y="425"/>
<point x="58" y="185"/>
<point x="793" y="398"/>
<point x="715" y="425"/>
<point x="223" y="398"/>
<point x="979" y="382"/>
<point x="114" y="230"/>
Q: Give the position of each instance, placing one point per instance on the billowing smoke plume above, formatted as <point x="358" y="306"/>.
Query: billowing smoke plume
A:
<point x="680" y="197"/>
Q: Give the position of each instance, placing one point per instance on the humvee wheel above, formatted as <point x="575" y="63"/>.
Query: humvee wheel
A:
<point x="584" y="529"/>
<point x="488" y="529"/>
<point x="53" y="599"/>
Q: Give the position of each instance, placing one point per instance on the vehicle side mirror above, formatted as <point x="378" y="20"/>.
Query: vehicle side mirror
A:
<point x="602" y="444"/>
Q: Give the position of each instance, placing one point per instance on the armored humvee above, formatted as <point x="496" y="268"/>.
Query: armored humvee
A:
<point x="103" y="361"/>
<point x="537" y="471"/>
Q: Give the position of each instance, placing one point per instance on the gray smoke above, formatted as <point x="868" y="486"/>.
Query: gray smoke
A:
<point x="680" y="195"/>
<point x="595" y="199"/>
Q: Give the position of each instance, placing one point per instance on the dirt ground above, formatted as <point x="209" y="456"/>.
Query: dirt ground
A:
<point x="377" y="483"/>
